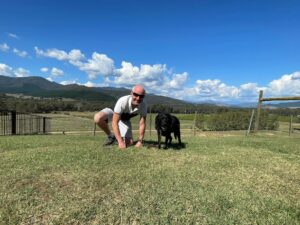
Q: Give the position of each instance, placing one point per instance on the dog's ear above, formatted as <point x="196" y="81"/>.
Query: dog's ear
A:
<point x="169" y="116"/>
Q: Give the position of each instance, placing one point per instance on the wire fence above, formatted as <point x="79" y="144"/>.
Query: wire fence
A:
<point x="82" y="122"/>
<point x="12" y="123"/>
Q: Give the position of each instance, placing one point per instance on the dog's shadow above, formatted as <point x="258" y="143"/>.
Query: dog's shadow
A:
<point x="172" y="146"/>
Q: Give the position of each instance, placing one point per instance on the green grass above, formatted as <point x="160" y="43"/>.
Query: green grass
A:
<point x="71" y="179"/>
<point x="83" y="121"/>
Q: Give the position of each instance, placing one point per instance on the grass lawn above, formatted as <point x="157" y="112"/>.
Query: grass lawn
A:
<point x="71" y="179"/>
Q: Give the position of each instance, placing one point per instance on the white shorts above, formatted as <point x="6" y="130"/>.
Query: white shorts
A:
<point x="109" y="113"/>
<point x="124" y="126"/>
<point x="125" y="129"/>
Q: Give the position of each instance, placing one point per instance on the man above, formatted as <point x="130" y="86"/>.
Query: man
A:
<point x="126" y="107"/>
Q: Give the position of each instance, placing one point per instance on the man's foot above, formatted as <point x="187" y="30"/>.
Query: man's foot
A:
<point x="109" y="141"/>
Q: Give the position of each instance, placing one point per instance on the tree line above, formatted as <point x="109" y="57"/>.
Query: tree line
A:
<point x="236" y="120"/>
<point x="43" y="105"/>
<point x="35" y="105"/>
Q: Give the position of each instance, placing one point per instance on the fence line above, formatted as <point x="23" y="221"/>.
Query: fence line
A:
<point x="12" y="123"/>
<point x="262" y="99"/>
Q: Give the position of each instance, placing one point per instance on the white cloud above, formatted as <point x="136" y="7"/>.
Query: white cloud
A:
<point x="13" y="35"/>
<point x="206" y="90"/>
<point x="249" y="91"/>
<point x="22" y="54"/>
<point x="56" y="72"/>
<point x="178" y="80"/>
<point x="158" y="79"/>
<point x="50" y="79"/>
<point x="21" y="72"/>
<point x="44" y="69"/>
<point x="66" y="82"/>
<point x="9" y="71"/>
<point x="6" y="70"/>
<point x="100" y="64"/>
<point x="153" y="77"/>
<point x="4" y="47"/>
<point x="288" y="84"/>
<point x="52" y="53"/>
<point x="91" y="84"/>
<point x="74" y="57"/>
<point x="296" y="76"/>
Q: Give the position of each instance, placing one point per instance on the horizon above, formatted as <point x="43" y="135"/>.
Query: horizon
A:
<point x="244" y="104"/>
<point x="208" y="50"/>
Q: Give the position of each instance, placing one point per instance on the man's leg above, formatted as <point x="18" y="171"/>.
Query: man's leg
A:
<point x="126" y="132"/>
<point x="101" y="119"/>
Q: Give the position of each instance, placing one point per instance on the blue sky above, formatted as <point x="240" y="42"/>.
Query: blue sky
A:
<point x="193" y="50"/>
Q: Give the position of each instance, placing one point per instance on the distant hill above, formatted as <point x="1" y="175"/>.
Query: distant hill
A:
<point x="294" y="104"/>
<point x="41" y="87"/>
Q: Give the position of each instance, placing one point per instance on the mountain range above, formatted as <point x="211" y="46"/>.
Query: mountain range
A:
<point x="41" y="87"/>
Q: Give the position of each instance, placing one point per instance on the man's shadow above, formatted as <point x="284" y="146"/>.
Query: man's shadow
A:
<point x="172" y="146"/>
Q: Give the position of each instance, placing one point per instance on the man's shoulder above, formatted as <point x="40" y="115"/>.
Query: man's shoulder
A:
<point x="122" y="102"/>
<point x="124" y="98"/>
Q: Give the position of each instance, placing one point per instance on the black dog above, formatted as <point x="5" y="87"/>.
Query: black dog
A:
<point x="165" y="124"/>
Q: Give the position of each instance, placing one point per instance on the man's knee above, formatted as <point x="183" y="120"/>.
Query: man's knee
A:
<point x="100" y="117"/>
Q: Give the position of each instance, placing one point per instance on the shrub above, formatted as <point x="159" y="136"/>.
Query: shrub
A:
<point x="237" y="120"/>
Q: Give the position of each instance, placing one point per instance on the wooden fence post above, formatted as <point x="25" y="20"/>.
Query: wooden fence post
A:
<point x="13" y="122"/>
<point x="260" y="98"/>
<point x="250" y="123"/>
<point x="195" y="123"/>
<point x="95" y="126"/>
<point x="150" y="122"/>
<point x="44" y="125"/>
<point x="290" y="126"/>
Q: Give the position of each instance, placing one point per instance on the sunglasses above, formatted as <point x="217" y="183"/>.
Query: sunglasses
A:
<point x="137" y="95"/>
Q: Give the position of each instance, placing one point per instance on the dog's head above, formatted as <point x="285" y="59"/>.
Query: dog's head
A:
<point x="163" y="122"/>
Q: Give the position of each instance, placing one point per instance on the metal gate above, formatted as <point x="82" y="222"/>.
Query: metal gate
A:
<point x="12" y="123"/>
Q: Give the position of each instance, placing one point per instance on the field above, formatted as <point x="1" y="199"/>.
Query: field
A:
<point x="217" y="178"/>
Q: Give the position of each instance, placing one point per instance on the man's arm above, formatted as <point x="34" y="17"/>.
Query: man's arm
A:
<point x="142" y="127"/>
<point x="115" y="127"/>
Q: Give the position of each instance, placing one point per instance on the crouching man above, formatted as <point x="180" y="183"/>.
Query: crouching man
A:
<point x="126" y="107"/>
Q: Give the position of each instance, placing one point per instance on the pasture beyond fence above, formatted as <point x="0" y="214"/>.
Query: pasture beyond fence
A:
<point x="12" y="123"/>
<point x="82" y="123"/>
<point x="259" y="106"/>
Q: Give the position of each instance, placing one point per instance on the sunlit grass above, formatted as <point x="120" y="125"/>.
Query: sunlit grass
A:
<point x="65" y="179"/>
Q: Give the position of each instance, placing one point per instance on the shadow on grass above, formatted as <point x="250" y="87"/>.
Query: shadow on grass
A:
<point x="172" y="146"/>
<point x="152" y="144"/>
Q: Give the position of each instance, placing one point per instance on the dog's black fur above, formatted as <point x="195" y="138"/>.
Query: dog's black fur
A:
<point x="165" y="124"/>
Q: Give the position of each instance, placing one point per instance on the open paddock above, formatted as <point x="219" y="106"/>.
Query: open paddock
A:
<point x="217" y="178"/>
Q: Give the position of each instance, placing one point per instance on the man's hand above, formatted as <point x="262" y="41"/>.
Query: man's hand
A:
<point x="122" y="145"/>
<point x="139" y="144"/>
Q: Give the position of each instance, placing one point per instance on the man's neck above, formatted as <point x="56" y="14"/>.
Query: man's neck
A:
<point x="134" y="106"/>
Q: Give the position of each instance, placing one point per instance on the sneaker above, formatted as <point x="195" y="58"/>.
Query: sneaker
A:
<point x="109" y="141"/>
